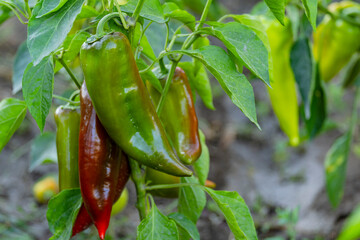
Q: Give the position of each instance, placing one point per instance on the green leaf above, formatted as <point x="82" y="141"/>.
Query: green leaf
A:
<point x="235" y="84"/>
<point x="46" y="33"/>
<point x="186" y="225"/>
<point x="277" y="7"/>
<point x="144" y="43"/>
<point x="72" y="45"/>
<point x="236" y="213"/>
<point x="49" y="6"/>
<point x="335" y="166"/>
<point x="151" y="10"/>
<point x="192" y="199"/>
<point x="202" y="165"/>
<point x="302" y="63"/>
<point x="318" y="109"/>
<point x="155" y="35"/>
<point x="5" y="14"/>
<point x="171" y="10"/>
<point x="12" y="113"/>
<point x="148" y="75"/>
<point x="62" y="212"/>
<point x="311" y="8"/>
<point x="246" y="46"/>
<point x="157" y="226"/>
<point x="43" y="150"/>
<point x="352" y="71"/>
<point x="87" y="12"/>
<point x="22" y="60"/>
<point x="351" y="228"/>
<point x="337" y="157"/>
<point x="38" y="85"/>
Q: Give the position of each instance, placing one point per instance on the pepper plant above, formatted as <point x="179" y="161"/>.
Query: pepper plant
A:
<point x="141" y="65"/>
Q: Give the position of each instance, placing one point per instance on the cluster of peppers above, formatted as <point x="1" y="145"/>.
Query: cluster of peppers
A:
<point x="335" y="42"/>
<point x="117" y="121"/>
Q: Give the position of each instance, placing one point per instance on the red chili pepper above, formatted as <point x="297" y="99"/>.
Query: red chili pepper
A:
<point x="99" y="165"/>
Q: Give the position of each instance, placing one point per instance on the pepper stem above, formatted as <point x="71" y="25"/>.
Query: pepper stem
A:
<point x="72" y="76"/>
<point x="166" y="88"/>
<point x="139" y="181"/>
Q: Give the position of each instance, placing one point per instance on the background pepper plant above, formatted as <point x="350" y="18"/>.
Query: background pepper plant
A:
<point x="273" y="42"/>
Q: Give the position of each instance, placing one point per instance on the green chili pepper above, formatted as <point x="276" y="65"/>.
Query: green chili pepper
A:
<point x="179" y="117"/>
<point x="123" y="103"/>
<point x="67" y="143"/>
<point x="283" y="87"/>
<point x="335" y="40"/>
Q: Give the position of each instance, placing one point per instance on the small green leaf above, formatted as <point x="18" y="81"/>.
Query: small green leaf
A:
<point x="236" y="213"/>
<point x="38" y="85"/>
<point x="192" y="199"/>
<point x="277" y="7"/>
<point x="72" y="45"/>
<point x="46" y="33"/>
<point x="62" y="212"/>
<point x="171" y="10"/>
<point x="157" y="226"/>
<point x="246" y="46"/>
<point x="12" y="113"/>
<point x="351" y="228"/>
<point x="302" y="63"/>
<point x="49" y="6"/>
<point x="318" y="109"/>
<point x="151" y="10"/>
<point x="311" y="8"/>
<point x="235" y="84"/>
<point x="202" y="165"/>
<point x="22" y="60"/>
<point x="335" y="166"/>
<point x="87" y="12"/>
<point x="186" y="225"/>
<point x="43" y="150"/>
<point x="148" y="75"/>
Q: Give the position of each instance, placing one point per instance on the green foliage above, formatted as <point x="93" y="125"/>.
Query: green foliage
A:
<point x="62" y="212"/>
<point x="12" y="113"/>
<point x="38" y="84"/>
<point x="157" y="226"/>
<point x="43" y="150"/>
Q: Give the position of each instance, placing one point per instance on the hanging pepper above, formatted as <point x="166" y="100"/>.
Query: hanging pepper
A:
<point x="123" y="104"/>
<point x="179" y="117"/>
<point x="67" y="121"/>
<point x="100" y="160"/>
<point x="83" y="219"/>
<point x="335" y="40"/>
<point x="283" y="87"/>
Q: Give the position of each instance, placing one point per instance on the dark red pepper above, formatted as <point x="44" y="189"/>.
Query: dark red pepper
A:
<point x="99" y="165"/>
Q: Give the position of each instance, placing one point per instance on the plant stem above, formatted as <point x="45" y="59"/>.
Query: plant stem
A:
<point x="139" y="181"/>
<point x="137" y="11"/>
<point x="167" y="35"/>
<point x="65" y="99"/>
<point x="124" y="23"/>
<point x="204" y="14"/>
<point x="176" y="185"/>
<point x="336" y="16"/>
<point x="166" y="88"/>
<point x="103" y="21"/>
<point x="28" y="8"/>
<point x="75" y="80"/>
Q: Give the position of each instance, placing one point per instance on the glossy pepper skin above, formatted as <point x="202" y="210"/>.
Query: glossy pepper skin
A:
<point x="179" y="117"/>
<point x="83" y="219"/>
<point x="283" y="86"/>
<point x="99" y="165"/>
<point x="123" y="104"/>
<point x="67" y="143"/>
<point x="335" y="41"/>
